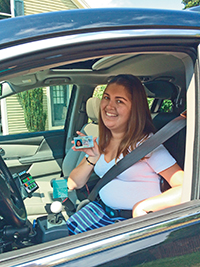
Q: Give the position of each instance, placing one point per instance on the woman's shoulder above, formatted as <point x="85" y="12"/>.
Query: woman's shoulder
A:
<point x="143" y="139"/>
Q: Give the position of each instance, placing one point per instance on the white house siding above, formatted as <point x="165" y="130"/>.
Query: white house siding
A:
<point x="42" y="6"/>
<point x="15" y="114"/>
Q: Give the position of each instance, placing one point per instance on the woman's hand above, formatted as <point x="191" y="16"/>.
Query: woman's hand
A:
<point x="80" y="175"/>
<point x="92" y="151"/>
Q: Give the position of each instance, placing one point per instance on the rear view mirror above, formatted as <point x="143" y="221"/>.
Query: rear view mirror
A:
<point x="5" y="89"/>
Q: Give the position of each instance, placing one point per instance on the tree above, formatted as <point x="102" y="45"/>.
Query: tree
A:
<point x="32" y="104"/>
<point x="185" y="2"/>
<point x="190" y="3"/>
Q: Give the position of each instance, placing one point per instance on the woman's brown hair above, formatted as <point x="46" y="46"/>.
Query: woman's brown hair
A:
<point x="140" y="123"/>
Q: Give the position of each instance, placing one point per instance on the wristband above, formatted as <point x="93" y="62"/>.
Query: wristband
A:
<point x="89" y="162"/>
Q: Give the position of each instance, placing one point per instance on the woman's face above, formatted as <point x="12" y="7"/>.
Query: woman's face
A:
<point x="116" y="107"/>
<point x="78" y="143"/>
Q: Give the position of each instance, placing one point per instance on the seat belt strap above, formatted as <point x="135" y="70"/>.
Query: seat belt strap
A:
<point x="140" y="152"/>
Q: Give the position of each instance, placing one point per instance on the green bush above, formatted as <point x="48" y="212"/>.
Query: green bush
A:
<point x="166" y="106"/>
<point x="99" y="90"/>
<point x="32" y="104"/>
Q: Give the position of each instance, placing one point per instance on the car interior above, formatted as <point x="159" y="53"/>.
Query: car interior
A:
<point x="166" y="76"/>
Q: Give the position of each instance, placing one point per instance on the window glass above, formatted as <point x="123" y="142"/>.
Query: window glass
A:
<point x="60" y="97"/>
<point x="5" y="6"/>
<point x="39" y="109"/>
<point x="163" y="106"/>
<point x="166" y="105"/>
<point x="98" y="91"/>
<point x="5" y="11"/>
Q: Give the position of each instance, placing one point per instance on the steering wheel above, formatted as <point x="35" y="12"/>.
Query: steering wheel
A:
<point x="12" y="207"/>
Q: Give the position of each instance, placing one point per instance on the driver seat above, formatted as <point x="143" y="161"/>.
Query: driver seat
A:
<point x="35" y="205"/>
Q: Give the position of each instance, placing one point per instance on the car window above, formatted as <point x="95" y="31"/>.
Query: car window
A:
<point x="166" y="105"/>
<point x="39" y="109"/>
<point x="98" y="91"/>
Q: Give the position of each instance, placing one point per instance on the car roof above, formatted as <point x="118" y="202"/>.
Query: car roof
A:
<point x="49" y="24"/>
<point x="194" y="8"/>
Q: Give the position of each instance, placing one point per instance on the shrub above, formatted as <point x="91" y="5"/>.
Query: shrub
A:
<point x="32" y="104"/>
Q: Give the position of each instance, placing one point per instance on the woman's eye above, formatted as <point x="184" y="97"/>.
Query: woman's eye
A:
<point x="119" y="101"/>
<point x="105" y="97"/>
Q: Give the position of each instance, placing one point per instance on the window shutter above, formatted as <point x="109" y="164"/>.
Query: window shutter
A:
<point x="19" y="7"/>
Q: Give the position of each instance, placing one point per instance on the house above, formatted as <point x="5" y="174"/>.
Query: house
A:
<point x="14" y="8"/>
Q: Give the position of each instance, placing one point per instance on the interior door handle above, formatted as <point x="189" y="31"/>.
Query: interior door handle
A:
<point x="2" y="151"/>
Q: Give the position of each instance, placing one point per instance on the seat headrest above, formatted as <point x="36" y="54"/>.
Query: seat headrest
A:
<point x="92" y="108"/>
<point x="161" y="89"/>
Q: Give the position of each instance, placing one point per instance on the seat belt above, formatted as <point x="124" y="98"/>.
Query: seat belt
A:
<point x="170" y="129"/>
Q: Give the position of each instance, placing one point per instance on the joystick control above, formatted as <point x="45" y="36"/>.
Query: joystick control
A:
<point x="53" y="225"/>
<point x="55" y="217"/>
<point x="56" y="207"/>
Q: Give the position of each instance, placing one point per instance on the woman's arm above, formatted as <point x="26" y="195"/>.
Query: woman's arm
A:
<point x="171" y="197"/>
<point x="80" y="175"/>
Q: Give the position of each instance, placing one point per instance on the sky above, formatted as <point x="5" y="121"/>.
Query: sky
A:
<point x="162" y="4"/>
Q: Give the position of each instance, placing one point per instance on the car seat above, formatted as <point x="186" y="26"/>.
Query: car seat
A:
<point x="91" y="128"/>
<point x="176" y="144"/>
<point x="92" y="109"/>
<point x="161" y="90"/>
<point x="44" y="195"/>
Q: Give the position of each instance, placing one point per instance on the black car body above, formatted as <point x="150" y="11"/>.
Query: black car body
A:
<point x="85" y="48"/>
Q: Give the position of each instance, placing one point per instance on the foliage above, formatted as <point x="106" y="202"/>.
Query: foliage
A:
<point x="32" y="104"/>
<point x="190" y="3"/>
<point x="185" y="2"/>
<point x="98" y="92"/>
<point x="166" y="106"/>
<point x="150" y="101"/>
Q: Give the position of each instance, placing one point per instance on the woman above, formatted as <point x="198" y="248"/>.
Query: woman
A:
<point x="125" y="122"/>
<point x="79" y="143"/>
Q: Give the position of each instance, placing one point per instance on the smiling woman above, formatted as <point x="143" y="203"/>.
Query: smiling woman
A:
<point x="125" y="123"/>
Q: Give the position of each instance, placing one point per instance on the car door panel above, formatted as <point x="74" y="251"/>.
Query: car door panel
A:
<point x="177" y="246"/>
<point x="24" y="151"/>
<point x="161" y="237"/>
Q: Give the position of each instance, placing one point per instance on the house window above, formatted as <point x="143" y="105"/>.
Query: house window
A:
<point x="5" y="11"/>
<point x="60" y="97"/>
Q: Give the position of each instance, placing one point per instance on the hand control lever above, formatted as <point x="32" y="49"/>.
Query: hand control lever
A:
<point x="56" y="216"/>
